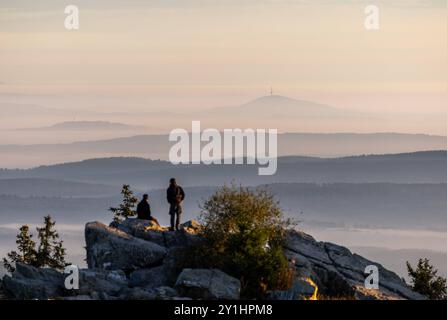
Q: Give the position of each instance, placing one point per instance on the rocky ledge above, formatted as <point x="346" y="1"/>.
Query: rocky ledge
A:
<point x="137" y="260"/>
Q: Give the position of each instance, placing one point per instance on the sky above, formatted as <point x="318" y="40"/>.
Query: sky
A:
<point x="206" y="53"/>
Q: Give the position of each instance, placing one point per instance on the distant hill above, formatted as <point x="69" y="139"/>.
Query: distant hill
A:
<point x="291" y="115"/>
<point x="420" y="167"/>
<point x="280" y="106"/>
<point x="158" y="146"/>
<point x="39" y="187"/>
<point x="85" y="125"/>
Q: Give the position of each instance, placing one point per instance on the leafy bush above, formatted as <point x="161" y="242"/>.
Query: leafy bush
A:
<point x="243" y="234"/>
<point x="49" y="253"/>
<point x="126" y="208"/>
<point x="426" y="281"/>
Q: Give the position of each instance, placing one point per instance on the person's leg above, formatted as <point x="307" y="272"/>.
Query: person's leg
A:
<point x="172" y="222"/>
<point x="172" y="214"/>
<point x="179" y="214"/>
<point x="154" y="220"/>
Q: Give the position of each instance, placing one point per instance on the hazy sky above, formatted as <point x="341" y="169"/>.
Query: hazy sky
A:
<point x="202" y="53"/>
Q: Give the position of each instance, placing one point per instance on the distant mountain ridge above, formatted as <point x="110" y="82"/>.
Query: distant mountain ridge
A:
<point x="285" y="106"/>
<point x="158" y="146"/>
<point x="420" y="167"/>
<point x="85" y="125"/>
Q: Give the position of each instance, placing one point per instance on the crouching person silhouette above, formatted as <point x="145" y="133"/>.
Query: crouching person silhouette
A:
<point x="175" y="196"/>
<point x="144" y="210"/>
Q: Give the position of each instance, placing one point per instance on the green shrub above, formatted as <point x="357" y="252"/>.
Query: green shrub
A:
<point x="243" y="234"/>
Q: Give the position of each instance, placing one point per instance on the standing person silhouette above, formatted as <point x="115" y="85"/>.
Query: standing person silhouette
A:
<point x="175" y="196"/>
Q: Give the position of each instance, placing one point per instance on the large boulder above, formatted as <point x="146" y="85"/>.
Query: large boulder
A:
<point x="192" y="226"/>
<point x="151" y="231"/>
<point x="79" y="298"/>
<point x="208" y="284"/>
<point x="28" y="282"/>
<point x="160" y="293"/>
<point x="106" y="282"/>
<point x="112" y="249"/>
<point x="338" y="272"/>
<point x="302" y="289"/>
<point x="144" y="229"/>
<point x="2" y="291"/>
<point x="149" y="278"/>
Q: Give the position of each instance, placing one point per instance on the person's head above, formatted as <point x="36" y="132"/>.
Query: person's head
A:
<point x="172" y="181"/>
<point x="145" y="197"/>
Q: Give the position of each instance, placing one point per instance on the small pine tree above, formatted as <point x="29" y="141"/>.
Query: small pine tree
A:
<point x="50" y="252"/>
<point x="126" y="208"/>
<point x="426" y="281"/>
<point x="59" y="254"/>
<point x="26" y="247"/>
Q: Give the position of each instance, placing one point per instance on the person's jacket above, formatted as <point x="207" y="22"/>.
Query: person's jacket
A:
<point x="175" y="194"/>
<point x="144" y="210"/>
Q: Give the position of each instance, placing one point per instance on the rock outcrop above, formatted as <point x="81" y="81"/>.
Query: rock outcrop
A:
<point x="151" y="231"/>
<point x="153" y="277"/>
<point x="31" y="283"/>
<point x="210" y="284"/>
<point x="113" y="249"/>
<point x="338" y="272"/>
<point x="138" y="260"/>
<point x="302" y="289"/>
<point x="2" y="292"/>
<point x="28" y="282"/>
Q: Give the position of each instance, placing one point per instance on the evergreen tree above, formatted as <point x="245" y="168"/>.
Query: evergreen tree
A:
<point x="126" y="208"/>
<point x="26" y="247"/>
<point x="50" y="252"/>
<point x="426" y="281"/>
